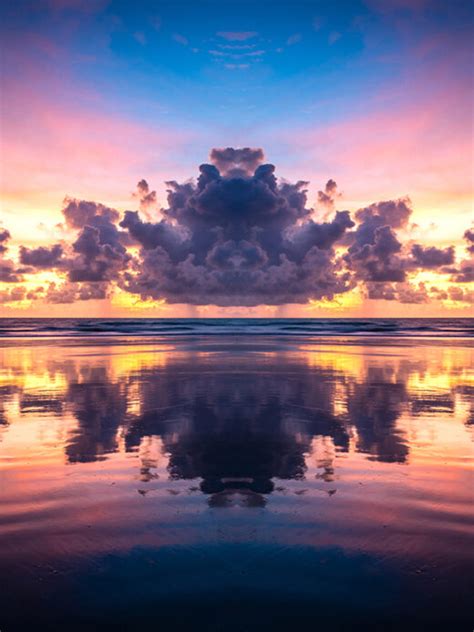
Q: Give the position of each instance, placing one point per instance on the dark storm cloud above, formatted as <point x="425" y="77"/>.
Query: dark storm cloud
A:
<point x="8" y="270"/>
<point x="469" y="237"/>
<point x="4" y="237"/>
<point x="99" y="253"/>
<point x="379" y="259"/>
<point x="79" y="213"/>
<point x="464" y="271"/>
<point x="237" y="237"/>
<point x="432" y="257"/>
<point x="374" y="253"/>
<point x="41" y="257"/>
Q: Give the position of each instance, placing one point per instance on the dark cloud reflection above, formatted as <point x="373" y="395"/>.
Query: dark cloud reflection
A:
<point x="235" y="422"/>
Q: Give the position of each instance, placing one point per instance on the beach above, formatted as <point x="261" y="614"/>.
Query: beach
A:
<point x="236" y="481"/>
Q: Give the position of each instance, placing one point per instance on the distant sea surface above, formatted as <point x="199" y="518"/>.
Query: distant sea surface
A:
<point x="396" y="327"/>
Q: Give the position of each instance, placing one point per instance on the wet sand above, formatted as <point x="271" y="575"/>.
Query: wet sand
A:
<point x="236" y="484"/>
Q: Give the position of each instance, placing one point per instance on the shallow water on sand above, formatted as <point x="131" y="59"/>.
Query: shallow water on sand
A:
<point x="236" y="484"/>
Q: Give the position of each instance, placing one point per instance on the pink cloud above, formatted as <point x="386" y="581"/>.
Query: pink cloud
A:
<point x="237" y="36"/>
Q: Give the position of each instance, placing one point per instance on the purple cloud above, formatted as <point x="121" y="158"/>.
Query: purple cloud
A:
<point x="238" y="236"/>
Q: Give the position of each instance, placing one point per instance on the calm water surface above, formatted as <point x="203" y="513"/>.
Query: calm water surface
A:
<point x="236" y="483"/>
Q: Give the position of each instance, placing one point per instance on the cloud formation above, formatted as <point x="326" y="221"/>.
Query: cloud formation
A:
<point x="238" y="236"/>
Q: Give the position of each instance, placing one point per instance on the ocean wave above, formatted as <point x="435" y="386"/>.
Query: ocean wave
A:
<point x="396" y="327"/>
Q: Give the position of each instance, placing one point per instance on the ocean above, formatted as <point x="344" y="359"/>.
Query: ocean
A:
<point x="400" y="327"/>
<point x="236" y="474"/>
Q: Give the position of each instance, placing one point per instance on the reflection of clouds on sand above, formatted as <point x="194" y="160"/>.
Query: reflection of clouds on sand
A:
<point x="236" y="421"/>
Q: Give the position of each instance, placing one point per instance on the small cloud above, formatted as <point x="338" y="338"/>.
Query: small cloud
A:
<point x="180" y="39"/>
<point x="236" y="46"/>
<point x="333" y="37"/>
<point x="156" y="23"/>
<point x="236" y="66"/>
<point x="294" y="39"/>
<point x="237" y="36"/>
<point x="253" y="53"/>
<point x="317" y="23"/>
<point x="139" y="36"/>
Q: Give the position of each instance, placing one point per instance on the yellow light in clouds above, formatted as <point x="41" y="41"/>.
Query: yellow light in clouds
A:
<point x="133" y="302"/>
<point x="340" y="302"/>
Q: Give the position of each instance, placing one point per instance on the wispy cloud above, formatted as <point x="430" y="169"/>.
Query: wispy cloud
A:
<point x="237" y="36"/>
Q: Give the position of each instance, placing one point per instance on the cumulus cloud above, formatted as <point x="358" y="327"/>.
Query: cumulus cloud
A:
<point x="237" y="162"/>
<point x="146" y="197"/>
<point x="41" y="257"/>
<point x="71" y="292"/>
<point x="469" y="237"/>
<point x="12" y="294"/>
<point x="8" y="270"/>
<point x="99" y="253"/>
<point x="327" y="198"/>
<point x="4" y="238"/>
<point x="464" y="272"/>
<point x="432" y="257"/>
<point x="238" y="236"/>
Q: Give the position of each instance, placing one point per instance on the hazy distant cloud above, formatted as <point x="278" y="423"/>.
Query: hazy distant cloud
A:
<point x="12" y="294"/>
<point x="140" y="37"/>
<point x="236" y="66"/>
<point x="237" y="36"/>
<point x="461" y="295"/>
<point x="465" y="272"/>
<point x="294" y="39"/>
<point x="401" y="292"/>
<point x="328" y="197"/>
<point x="235" y="162"/>
<point x="180" y="39"/>
<point x="8" y="272"/>
<point x="72" y="292"/>
<point x="145" y="195"/>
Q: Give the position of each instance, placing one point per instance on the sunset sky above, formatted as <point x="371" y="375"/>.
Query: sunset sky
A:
<point x="363" y="107"/>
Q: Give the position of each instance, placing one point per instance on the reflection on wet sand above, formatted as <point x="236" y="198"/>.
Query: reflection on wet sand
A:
<point x="102" y="441"/>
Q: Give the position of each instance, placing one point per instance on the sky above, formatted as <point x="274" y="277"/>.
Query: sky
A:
<point x="110" y="107"/>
